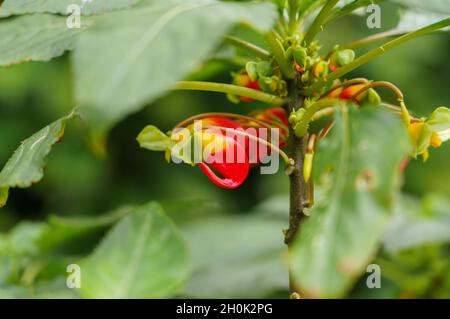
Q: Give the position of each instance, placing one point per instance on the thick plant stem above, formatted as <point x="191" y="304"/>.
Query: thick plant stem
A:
<point x="298" y="187"/>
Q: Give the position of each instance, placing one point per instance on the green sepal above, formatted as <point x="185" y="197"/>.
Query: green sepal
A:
<point x="251" y="68"/>
<point x="300" y="56"/>
<point x="264" y="68"/>
<point x="153" y="139"/>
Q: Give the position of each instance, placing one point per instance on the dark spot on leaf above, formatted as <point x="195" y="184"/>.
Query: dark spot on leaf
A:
<point x="347" y="267"/>
<point x="366" y="180"/>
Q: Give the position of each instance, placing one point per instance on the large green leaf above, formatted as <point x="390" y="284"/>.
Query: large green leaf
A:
<point x="145" y="50"/>
<point x="16" y="7"/>
<point x="237" y="256"/>
<point x="414" y="19"/>
<point x="29" y="238"/>
<point x="54" y="289"/>
<point x="435" y="6"/>
<point x="143" y="256"/>
<point x="418" y="223"/>
<point x="38" y="37"/>
<point x="418" y="14"/>
<point x="357" y="169"/>
<point x="26" y="166"/>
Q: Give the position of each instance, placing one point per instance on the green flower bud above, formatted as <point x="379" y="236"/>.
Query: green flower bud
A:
<point x="305" y="77"/>
<point x="293" y="119"/>
<point x="300" y="113"/>
<point x="264" y="68"/>
<point x="300" y="56"/>
<point x="266" y="84"/>
<point x="282" y="88"/>
<point x="320" y="69"/>
<point x="373" y="98"/>
<point x="344" y="57"/>
<point x="251" y="68"/>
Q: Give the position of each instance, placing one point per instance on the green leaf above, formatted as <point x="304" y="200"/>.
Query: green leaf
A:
<point x="420" y="272"/>
<point x="15" y="292"/>
<point x="143" y="256"/>
<point x="153" y="139"/>
<point x="418" y="223"/>
<point x="357" y="169"/>
<point x="26" y="166"/>
<point x="413" y="19"/>
<point x="38" y="37"/>
<point x="146" y="50"/>
<point x="88" y="7"/>
<point x="226" y="266"/>
<point x="347" y="7"/>
<point x="53" y="289"/>
<point x="434" y="6"/>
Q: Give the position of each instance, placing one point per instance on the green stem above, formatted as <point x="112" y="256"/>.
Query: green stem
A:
<point x="259" y="52"/>
<point x="293" y="11"/>
<point x="229" y="89"/>
<point x="281" y="27"/>
<point x="298" y="189"/>
<point x="327" y="111"/>
<point x="221" y="114"/>
<point x="390" y="107"/>
<point x="314" y="6"/>
<point x="302" y="126"/>
<point x="375" y="53"/>
<point x="345" y="83"/>
<point x="370" y="39"/>
<point x="317" y="24"/>
<point x="378" y="84"/>
<point x="279" y="55"/>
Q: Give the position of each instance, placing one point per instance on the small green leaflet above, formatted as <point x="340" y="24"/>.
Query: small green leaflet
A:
<point x="153" y="139"/>
<point x="4" y="192"/>
<point x="26" y="166"/>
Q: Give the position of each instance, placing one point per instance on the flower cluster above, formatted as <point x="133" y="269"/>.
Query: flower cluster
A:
<point x="227" y="141"/>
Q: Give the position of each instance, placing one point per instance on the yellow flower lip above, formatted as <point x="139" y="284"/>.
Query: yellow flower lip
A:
<point x="435" y="141"/>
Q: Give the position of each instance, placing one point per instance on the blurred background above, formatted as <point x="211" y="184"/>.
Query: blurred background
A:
<point x="78" y="183"/>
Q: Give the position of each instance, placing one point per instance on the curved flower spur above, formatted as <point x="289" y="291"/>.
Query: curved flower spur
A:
<point x="225" y="146"/>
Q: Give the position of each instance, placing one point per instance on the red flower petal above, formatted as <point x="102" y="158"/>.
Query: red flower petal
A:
<point x="233" y="174"/>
